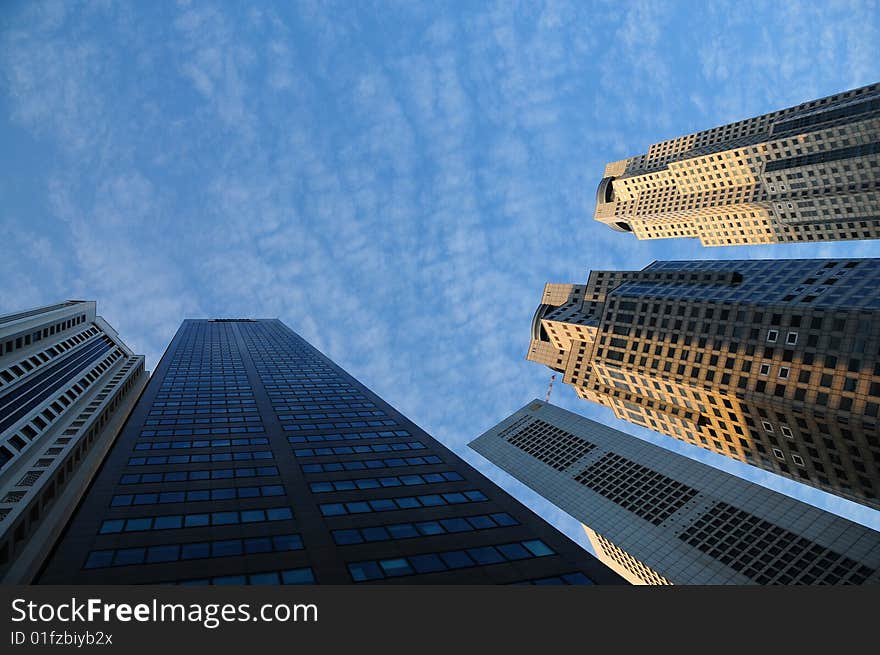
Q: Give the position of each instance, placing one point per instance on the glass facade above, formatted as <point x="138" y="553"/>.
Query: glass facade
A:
<point x="252" y="458"/>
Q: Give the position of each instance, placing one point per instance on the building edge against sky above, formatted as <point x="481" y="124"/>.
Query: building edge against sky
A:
<point x="252" y="458"/>
<point x="773" y="363"/>
<point x="806" y="173"/>
<point x="67" y="384"/>
<point x="657" y="517"/>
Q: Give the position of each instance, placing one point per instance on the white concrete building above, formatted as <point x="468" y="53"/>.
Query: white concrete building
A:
<point x="657" y="517"/>
<point x="67" y="384"/>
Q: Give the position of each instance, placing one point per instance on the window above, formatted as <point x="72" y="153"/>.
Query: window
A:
<point x="779" y="454"/>
<point x="798" y="460"/>
<point x="784" y="371"/>
<point x="765" y="369"/>
<point x="772" y="336"/>
<point x="768" y="427"/>
<point x="786" y="431"/>
<point x="791" y="338"/>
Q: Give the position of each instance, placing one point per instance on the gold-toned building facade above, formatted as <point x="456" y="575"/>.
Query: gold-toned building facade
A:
<point x="806" y="173"/>
<point x="770" y="362"/>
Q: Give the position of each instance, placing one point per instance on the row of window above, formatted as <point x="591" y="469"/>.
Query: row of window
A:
<point x="27" y="339"/>
<point x="206" y="403"/>
<point x="338" y="426"/>
<point x="423" y="528"/>
<point x="406" y="502"/>
<point x="203" y="474"/>
<point x="448" y="560"/>
<point x="363" y="464"/>
<point x="202" y="431"/>
<point x="310" y="405"/>
<point x="193" y="395"/>
<point x="291" y="576"/>
<point x="349" y="450"/>
<point x="390" y="481"/>
<point x="249" y="418"/>
<point x="98" y="559"/>
<point x="213" y="457"/>
<point x="322" y="415"/>
<point x="176" y="521"/>
<point x="196" y="495"/>
<point x="201" y="443"/>
<point x="351" y="436"/>
<point x="300" y="398"/>
<point x="212" y="411"/>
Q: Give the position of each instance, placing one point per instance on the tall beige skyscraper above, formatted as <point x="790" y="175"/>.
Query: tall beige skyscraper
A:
<point x="770" y="362"/>
<point x="806" y="173"/>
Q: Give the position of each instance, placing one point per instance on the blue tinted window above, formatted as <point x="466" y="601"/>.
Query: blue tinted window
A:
<point x="503" y="519"/>
<point x="430" y="528"/>
<point x="538" y="548"/>
<point x="134" y="525"/>
<point x="297" y="576"/>
<point x="128" y="556"/>
<point x="99" y="559"/>
<point x="167" y="522"/>
<point x="163" y="553"/>
<point x="279" y="514"/>
<point x="264" y="578"/>
<point x="485" y="555"/>
<point x="333" y="509"/>
<point x="514" y="551"/>
<point x="230" y="580"/>
<point x="456" y="525"/>
<point x="287" y="542"/>
<point x="258" y="545"/>
<point x="402" y="531"/>
<point x="361" y="571"/>
<point x="375" y="534"/>
<point x="344" y="537"/>
<point x="383" y="505"/>
<point x="196" y="520"/>
<point x="395" y="567"/>
<point x="456" y="559"/>
<point x="481" y="522"/>
<point x="427" y="563"/>
<point x="115" y="525"/>
<point x="195" y="551"/>
<point x="224" y="518"/>
<point x="226" y="548"/>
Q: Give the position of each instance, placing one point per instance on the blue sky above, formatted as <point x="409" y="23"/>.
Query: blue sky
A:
<point x="394" y="180"/>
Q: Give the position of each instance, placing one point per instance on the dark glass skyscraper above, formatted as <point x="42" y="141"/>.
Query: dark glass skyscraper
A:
<point x="252" y="458"/>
